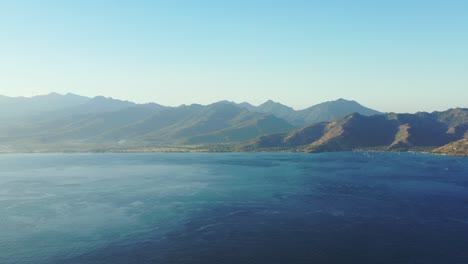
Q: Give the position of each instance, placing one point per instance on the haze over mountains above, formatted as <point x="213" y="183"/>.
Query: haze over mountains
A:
<point x="71" y="122"/>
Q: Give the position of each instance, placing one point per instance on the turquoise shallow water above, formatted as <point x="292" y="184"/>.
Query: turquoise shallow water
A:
<point x="233" y="208"/>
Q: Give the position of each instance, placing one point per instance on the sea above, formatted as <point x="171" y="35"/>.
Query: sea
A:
<point x="348" y="207"/>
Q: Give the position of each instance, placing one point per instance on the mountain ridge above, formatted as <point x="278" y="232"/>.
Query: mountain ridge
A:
<point x="72" y="122"/>
<point x="384" y="132"/>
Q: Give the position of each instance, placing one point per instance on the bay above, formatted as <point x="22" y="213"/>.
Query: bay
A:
<point x="350" y="207"/>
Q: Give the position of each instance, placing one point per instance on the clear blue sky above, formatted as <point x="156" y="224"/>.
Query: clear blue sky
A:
<point x="398" y="55"/>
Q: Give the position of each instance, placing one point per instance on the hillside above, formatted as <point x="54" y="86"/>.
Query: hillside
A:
<point x="383" y="132"/>
<point x="457" y="148"/>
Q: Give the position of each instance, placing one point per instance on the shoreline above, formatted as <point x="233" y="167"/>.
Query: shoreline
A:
<point x="155" y="150"/>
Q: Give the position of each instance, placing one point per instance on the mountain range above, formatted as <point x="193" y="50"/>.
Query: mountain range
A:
<point x="70" y="122"/>
<point x="421" y="131"/>
<point x="325" y="111"/>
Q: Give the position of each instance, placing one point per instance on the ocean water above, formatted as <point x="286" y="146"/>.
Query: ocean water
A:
<point x="233" y="208"/>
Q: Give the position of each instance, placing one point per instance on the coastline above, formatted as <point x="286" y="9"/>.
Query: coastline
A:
<point x="205" y="150"/>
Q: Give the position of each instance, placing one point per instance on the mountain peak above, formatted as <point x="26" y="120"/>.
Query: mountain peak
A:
<point x="343" y="100"/>
<point x="53" y="94"/>
<point x="331" y="110"/>
<point x="100" y="97"/>
<point x="73" y="95"/>
<point x="225" y="102"/>
<point x="270" y="102"/>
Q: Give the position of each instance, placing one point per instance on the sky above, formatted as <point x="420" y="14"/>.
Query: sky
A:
<point x="393" y="56"/>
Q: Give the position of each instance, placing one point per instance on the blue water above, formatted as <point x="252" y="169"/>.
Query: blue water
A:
<point x="233" y="208"/>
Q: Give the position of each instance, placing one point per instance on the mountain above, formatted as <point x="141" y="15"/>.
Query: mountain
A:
<point x="13" y="107"/>
<point x="277" y="109"/>
<point x="71" y="122"/>
<point x="248" y="106"/>
<point x="383" y="132"/>
<point x="196" y="124"/>
<point x="331" y="110"/>
<point x="108" y="123"/>
<point x="259" y="125"/>
<point x="54" y="112"/>
<point x="326" y="111"/>
<point x="54" y="105"/>
<point x="99" y="104"/>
